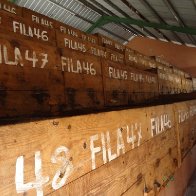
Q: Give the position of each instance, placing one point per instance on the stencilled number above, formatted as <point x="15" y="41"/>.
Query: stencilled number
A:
<point x="61" y="155"/>
<point x="39" y="181"/>
<point x="33" y="59"/>
<point x="66" y="169"/>
<point x="44" y="60"/>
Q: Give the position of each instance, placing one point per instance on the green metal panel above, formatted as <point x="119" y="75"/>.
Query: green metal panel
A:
<point x="107" y="19"/>
<point x="13" y="1"/>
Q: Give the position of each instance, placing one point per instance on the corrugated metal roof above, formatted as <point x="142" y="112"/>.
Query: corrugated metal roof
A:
<point x="82" y="14"/>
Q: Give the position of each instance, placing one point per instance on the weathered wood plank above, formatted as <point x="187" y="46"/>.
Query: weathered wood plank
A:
<point x="29" y="92"/>
<point x="75" y="33"/>
<point x="86" y="143"/>
<point x="78" y="134"/>
<point x="115" y="84"/>
<point x="37" y="18"/>
<point x="16" y="25"/>
<point x="110" y="43"/>
<point x="30" y="68"/>
<point x="82" y="80"/>
<point x="124" y="85"/>
<point x="24" y="103"/>
<point x="130" y="172"/>
<point x="113" y="178"/>
<point x="136" y="189"/>
<point x="66" y="41"/>
<point x="18" y="52"/>
<point x="139" y="61"/>
<point x="185" y="129"/>
<point x="115" y="56"/>
<point x="10" y="7"/>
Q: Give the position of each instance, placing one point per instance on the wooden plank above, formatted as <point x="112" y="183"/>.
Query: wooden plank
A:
<point x="25" y="66"/>
<point x="77" y="134"/>
<point x="75" y="33"/>
<point x="113" y="178"/>
<point x="161" y="160"/>
<point x="185" y="127"/>
<point x="159" y="166"/>
<point x="37" y="18"/>
<point x="115" y="56"/>
<point x="178" y="72"/>
<point x="24" y="103"/>
<point x="18" y="52"/>
<point x="85" y="143"/>
<point x="83" y="80"/>
<point x="26" y="79"/>
<point x="126" y="174"/>
<point x="164" y="82"/>
<point x="160" y="119"/>
<point x="145" y="61"/>
<point x="115" y="83"/>
<point x="10" y="7"/>
<point x="56" y="88"/>
<point x="14" y="25"/>
<point x="124" y="85"/>
<point x="163" y="62"/>
<point x="42" y="94"/>
<point x="66" y="41"/>
<point x="177" y="83"/>
<point x="110" y="43"/>
<point x="136" y="189"/>
<point x="131" y="58"/>
<point x="139" y="61"/>
<point x="187" y="85"/>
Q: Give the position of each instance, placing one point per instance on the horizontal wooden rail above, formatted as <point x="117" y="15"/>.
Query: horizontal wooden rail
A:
<point x="105" y="153"/>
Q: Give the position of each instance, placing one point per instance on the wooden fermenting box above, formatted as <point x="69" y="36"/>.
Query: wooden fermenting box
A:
<point x="187" y="85"/>
<point x="48" y="68"/>
<point x="146" y="61"/>
<point x="139" y="61"/>
<point x="82" y="80"/>
<point x="131" y="58"/>
<point x="30" y="82"/>
<point x="115" y="56"/>
<point x="6" y="6"/>
<point x="165" y="81"/>
<point x="162" y="61"/>
<point x="76" y="33"/>
<point x="124" y="85"/>
<point x="81" y="63"/>
<point x="115" y="83"/>
<point x="186" y="133"/>
<point x="66" y="41"/>
<point x="177" y="84"/>
<point x="75" y="155"/>
<point x="178" y="72"/>
<point x="17" y="26"/>
<point x="34" y="17"/>
<point x="110" y="43"/>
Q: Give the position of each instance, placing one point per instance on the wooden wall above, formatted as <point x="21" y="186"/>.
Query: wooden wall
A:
<point x="182" y="57"/>
<point x="111" y="153"/>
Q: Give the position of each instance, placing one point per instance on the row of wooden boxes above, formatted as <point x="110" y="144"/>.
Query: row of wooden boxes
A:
<point x="36" y="78"/>
<point x="49" y="68"/>
<point x="39" y="27"/>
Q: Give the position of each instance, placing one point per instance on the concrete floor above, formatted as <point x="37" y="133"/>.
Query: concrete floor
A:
<point x="191" y="189"/>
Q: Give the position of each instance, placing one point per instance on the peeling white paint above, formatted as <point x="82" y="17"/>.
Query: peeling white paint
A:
<point x="93" y="149"/>
<point x="110" y="155"/>
<point x="37" y="184"/>
<point x="65" y="170"/>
